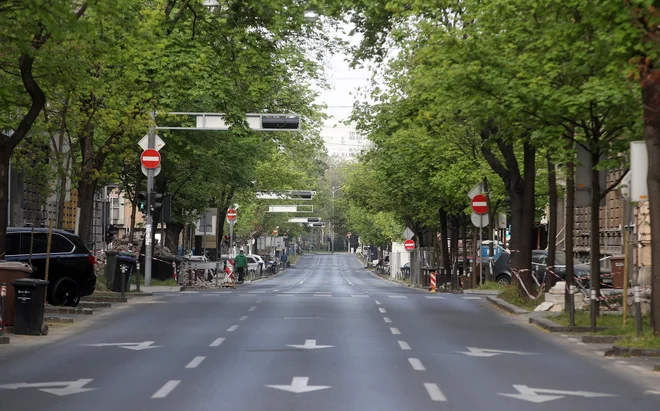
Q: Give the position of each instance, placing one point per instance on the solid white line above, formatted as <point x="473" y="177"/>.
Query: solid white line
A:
<point x="217" y="342"/>
<point x="382" y="310"/>
<point x="397" y="296"/>
<point x="243" y="318"/>
<point x="416" y="364"/>
<point x="395" y="331"/>
<point x="195" y="362"/>
<point x="232" y="328"/>
<point x="434" y="392"/>
<point x="387" y="320"/>
<point x="166" y="389"/>
<point x="252" y="308"/>
<point x="472" y="298"/>
<point x="404" y="345"/>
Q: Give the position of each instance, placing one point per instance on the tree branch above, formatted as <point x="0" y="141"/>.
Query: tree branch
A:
<point x="38" y="97"/>
<point x="615" y="184"/>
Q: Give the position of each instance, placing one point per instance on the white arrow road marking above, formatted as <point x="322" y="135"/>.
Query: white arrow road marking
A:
<point x="434" y="392"/>
<point x="416" y="364"/>
<point x="232" y="328"/>
<point x="299" y="385"/>
<point x="309" y="345"/>
<point x="533" y="394"/>
<point x="195" y="362"/>
<point x="166" y="389"/>
<point x="483" y="352"/>
<point x="67" y="387"/>
<point x="404" y="345"/>
<point x="144" y="345"/>
<point x="217" y="342"/>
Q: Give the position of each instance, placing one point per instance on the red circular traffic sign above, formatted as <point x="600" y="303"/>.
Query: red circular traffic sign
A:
<point x="231" y="214"/>
<point x="150" y="158"/>
<point x="409" y="245"/>
<point x="479" y="204"/>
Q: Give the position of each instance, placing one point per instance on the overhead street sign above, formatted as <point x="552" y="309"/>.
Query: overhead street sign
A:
<point x="479" y="204"/>
<point x="150" y="158"/>
<point x="409" y="245"/>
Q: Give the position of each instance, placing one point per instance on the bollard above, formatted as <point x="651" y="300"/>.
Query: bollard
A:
<point x="571" y="305"/>
<point x="3" y="298"/>
<point x="433" y="282"/>
<point x="638" y="308"/>
<point x="593" y="309"/>
<point x="123" y="283"/>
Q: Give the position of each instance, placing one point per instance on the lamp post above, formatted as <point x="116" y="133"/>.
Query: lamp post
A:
<point x="332" y="238"/>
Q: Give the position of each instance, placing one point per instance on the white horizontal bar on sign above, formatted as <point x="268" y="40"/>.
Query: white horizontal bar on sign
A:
<point x="290" y="209"/>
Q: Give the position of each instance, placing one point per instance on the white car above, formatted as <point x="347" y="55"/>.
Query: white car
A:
<point x="255" y="263"/>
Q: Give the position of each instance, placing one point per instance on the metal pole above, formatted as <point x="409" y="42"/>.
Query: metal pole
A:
<point x="638" y="309"/>
<point x="571" y="305"/>
<point x="231" y="237"/>
<point x="594" y="301"/>
<point x="123" y="284"/>
<point x="626" y="259"/>
<point x="205" y="224"/>
<point x="481" y="241"/>
<point x="149" y="224"/>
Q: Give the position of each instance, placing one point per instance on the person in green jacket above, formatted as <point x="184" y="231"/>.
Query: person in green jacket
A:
<point x="241" y="263"/>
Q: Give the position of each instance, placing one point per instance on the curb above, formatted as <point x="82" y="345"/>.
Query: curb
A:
<point x="553" y="327"/>
<point x="57" y="319"/>
<point x="4" y="339"/>
<point x="617" y="351"/>
<point x="482" y="292"/>
<point x="600" y="339"/>
<point x="112" y="294"/>
<point x="68" y="310"/>
<point x="513" y="309"/>
<point x="105" y="299"/>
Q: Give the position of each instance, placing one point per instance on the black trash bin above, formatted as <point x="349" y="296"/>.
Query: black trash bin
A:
<point x="30" y="296"/>
<point x="125" y="265"/>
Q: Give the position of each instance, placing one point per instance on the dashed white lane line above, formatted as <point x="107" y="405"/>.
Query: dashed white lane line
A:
<point x="382" y="310"/>
<point x="359" y="295"/>
<point x="416" y="364"/>
<point x="322" y="295"/>
<point x="395" y="331"/>
<point x="387" y="320"/>
<point x="252" y="308"/>
<point x="166" y="389"/>
<point x="397" y="296"/>
<point x="217" y="342"/>
<point x="257" y="292"/>
<point x="435" y="297"/>
<point x="243" y="318"/>
<point x="404" y="345"/>
<point x="276" y="291"/>
<point x="286" y="295"/>
<point x="188" y="292"/>
<point x="232" y="328"/>
<point x="472" y="298"/>
<point x="378" y="302"/>
<point x="434" y="392"/>
<point x="195" y="362"/>
<point x="258" y="301"/>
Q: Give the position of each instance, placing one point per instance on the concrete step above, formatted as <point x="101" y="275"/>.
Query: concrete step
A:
<point x="93" y="298"/>
<point x="58" y="319"/>
<point x="129" y="294"/>
<point x="49" y="309"/>
<point x="94" y="304"/>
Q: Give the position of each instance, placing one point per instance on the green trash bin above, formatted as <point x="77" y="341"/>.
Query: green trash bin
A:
<point x="110" y="267"/>
<point x="29" y="306"/>
<point x="125" y="265"/>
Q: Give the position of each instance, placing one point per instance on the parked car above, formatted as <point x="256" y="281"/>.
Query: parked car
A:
<point x="71" y="268"/>
<point x="255" y="263"/>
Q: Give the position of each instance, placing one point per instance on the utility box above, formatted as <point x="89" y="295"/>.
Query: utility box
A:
<point x="618" y="264"/>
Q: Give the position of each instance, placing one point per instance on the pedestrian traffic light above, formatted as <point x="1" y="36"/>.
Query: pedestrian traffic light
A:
<point x="142" y="202"/>
<point x="156" y="201"/>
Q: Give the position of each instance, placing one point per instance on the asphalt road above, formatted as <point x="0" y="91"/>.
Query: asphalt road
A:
<point x="326" y="335"/>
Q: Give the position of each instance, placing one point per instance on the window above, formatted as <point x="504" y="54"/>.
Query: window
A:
<point x="13" y="243"/>
<point x="352" y="135"/>
<point x="60" y="244"/>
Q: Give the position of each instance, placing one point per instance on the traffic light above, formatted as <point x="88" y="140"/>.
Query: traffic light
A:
<point x="313" y="219"/>
<point x="277" y="122"/>
<point x="110" y="233"/>
<point x="167" y="209"/>
<point x="142" y="202"/>
<point x="156" y="201"/>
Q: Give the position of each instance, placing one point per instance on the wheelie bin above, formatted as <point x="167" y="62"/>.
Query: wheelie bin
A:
<point x="10" y="271"/>
<point x="30" y="297"/>
<point x="125" y="266"/>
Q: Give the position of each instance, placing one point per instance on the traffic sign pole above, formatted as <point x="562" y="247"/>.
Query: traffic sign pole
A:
<point x="149" y="223"/>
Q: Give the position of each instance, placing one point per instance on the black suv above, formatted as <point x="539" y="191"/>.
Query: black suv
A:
<point x="71" y="269"/>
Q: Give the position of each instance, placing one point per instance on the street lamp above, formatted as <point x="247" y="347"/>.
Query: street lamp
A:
<point x="332" y="238"/>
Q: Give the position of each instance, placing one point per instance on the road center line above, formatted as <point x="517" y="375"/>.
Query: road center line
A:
<point x="217" y="342"/>
<point x="243" y="318"/>
<point x="395" y="331"/>
<point x="195" y="362"/>
<point x="416" y="364"/>
<point x="166" y="389"/>
<point x="232" y="328"/>
<point x="252" y="308"/>
<point x="387" y="320"/>
<point x="382" y="310"/>
<point x="434" y="392"/>
<point x="404" y="345"/>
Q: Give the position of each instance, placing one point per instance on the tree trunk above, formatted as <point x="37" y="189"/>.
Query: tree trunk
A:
<point x="454" y="250"/>
<point x="5" y="156"/>
<point x="595" y="227"/>
<point x="465" y="253"/>
<point x="568" y="232"/>
<point x="131" y="234"/>
<point x="651" y="99"/>
<point x="523" y="260"/>
<point x="444" y="233"/>
<point x="550" y="279"/>
<point x="172" y="233"/>
<point x="86" y="190"/>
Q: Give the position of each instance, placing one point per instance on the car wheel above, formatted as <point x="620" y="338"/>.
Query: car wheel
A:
<point x="65" y="293"/>
<point x="504" y="280"/>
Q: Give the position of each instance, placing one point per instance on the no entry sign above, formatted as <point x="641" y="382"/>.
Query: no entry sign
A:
<point x="150" y="158"/>
<point x="479" y="204"/>
<point x="409" y="245"/>
<point x="231" y="214"/>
